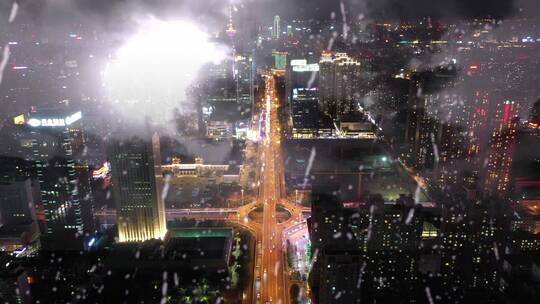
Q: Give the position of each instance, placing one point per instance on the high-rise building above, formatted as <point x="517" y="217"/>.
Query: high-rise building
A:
<point x="326" y="84"/>
<point x="231" y="31"/>
<point x="243" y="73"/>
<point x="364" y="252"/>
<point x="526" y="162"/>
<point x="451" y="148"/>
<point x="421" y="128"/>
<point x="303" y="79"/>
<point x="347" y="83"/>
<point x="55" y="143"/>
<point x="280" y="60"/>
<point x="500" y="152"/>
<point x="478" y="127"/>
<point x="276" y="28"/>
<point x="339" y="84"/>
<point x="18" y="224"/>
<point x="137" y="186"/>
<point x="339" y="259"/>
<point x="304" y="112"/>
<point x="17" y="201"/>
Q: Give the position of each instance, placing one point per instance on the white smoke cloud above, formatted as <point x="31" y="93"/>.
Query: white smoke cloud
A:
<point x="151" y="71"/>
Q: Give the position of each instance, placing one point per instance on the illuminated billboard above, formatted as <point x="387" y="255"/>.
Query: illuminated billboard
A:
<point x="297" y="62"/>
<point x="55" y="121"/>
<point x="19" y="120"/>
<point x="314" y="67"/>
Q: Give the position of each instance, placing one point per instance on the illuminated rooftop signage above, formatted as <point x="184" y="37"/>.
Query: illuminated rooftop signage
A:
<point x="298" y="62"/>
<point x="55" y="122"/>
<point x="314" y="67"/>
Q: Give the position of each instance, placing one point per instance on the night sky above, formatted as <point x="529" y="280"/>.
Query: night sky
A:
<point x="321" y="9"/>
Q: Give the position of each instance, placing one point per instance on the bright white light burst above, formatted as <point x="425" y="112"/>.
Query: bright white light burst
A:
<point x="152" y="70"/>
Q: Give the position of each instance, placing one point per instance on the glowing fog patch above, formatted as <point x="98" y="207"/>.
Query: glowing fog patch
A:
<point x="152" y="70"/>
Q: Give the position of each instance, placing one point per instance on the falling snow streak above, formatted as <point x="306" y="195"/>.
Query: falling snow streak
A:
<point x="496" y="250"/>
<point x="314" y="258"/>
<point x="13" y="13"/>
<point x="276" y="268"/>
<point x="417" y="193"/>
<point x="435" y="149"/>
<point x="359" y="283"/>
<point x="312" y="79"/>
<point x="410" y="216"/>
<point x="370" y="227"/>
<point x="166" y="186"/>
<point x="164" y="288"/>
<point x="6" y="52"/>
<point x="331" y="41"/>
<point x="428" y="294"/>
<point x="344" y="19"/>
<point x="308" y="168"/>
<point x="3" y="63"/>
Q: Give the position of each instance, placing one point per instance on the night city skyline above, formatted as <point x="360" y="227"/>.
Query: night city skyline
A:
<point x="269" y="151"/>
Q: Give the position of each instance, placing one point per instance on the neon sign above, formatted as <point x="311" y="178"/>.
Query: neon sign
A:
<point x="55" y="122"/>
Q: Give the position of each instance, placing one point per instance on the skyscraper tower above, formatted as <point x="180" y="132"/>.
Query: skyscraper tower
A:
<point x="326" y="99"/>
<point x="137" y="182"/>
<point x="55" y="143"/>
<point x="339" y="84"/>
<point x="421" y="127"/>
<point x="500" y="152"/>
<point x="276" y="28"/>
<point x="347" y="82"/>
<point x="231" y="31"/>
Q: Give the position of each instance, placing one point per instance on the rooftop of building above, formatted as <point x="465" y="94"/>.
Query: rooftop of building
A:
<point x="199" y="233"/>
<point x="182" y="248"/>
<point x="15" y="230"/>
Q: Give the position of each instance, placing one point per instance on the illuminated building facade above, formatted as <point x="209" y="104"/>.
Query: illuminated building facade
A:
<point x="340" y="77"/>
<point x="526" y="162"/>
<point x="451" y="149"/>
<point x="18" y="225"/>
<point x="326" y="84"/>
<point x="304" y="112"/>
<point x="243" y="74"/>
<point x="56" y="140"/>
<point x="17" y="201"/>
<point x="420" y="129"/>
<point x="231" y="31"/>
<point x="347" y="83"/>
<point x="501" y="148"/>
<point x="219" y="130"/>
<point x="478" y="127"/>
<point x="304" y="98"/>
<point x="137" y="183"/>
<point x="276" y="29"/>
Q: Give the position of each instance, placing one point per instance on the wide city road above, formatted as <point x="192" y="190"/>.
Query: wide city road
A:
<point x="271" y="192"/>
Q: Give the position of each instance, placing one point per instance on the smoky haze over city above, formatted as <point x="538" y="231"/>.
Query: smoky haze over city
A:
<point x="269" y="151"/>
